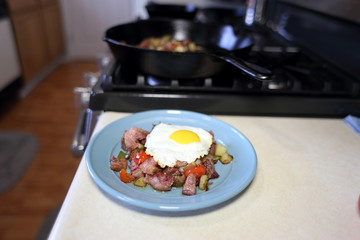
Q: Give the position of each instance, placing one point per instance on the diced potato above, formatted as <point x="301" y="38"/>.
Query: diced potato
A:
<point x="220" y="150"/>
<point x="140" y="146"/>
<point x="192" y="46"/>
<point x="226" y="158"/>
<point x="214" y="157"/>
<point x="203" y="182"/>
<point x="180" y="49"/>
<point x="140" y="182"/>
<point x="198" y="162"/>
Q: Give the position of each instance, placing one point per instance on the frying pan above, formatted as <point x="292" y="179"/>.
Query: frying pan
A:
<point x="219" y="41"/>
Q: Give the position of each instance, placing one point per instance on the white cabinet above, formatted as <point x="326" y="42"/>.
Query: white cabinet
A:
<point x="9" y="67"/>
<point x="86" y="21"/>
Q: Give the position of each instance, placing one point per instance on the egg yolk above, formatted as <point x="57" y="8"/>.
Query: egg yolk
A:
<point x="184" y="137"/>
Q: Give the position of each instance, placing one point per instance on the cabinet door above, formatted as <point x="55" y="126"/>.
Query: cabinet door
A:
<point x="31" y="41"/>
<point x="22" y="5"/>
<point x="53" y="30"/>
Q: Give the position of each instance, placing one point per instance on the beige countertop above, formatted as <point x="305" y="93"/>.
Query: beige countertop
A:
<point x="306" y="186"/>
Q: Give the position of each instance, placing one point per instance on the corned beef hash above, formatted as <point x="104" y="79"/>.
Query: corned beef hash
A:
<point x="169" y="156"/>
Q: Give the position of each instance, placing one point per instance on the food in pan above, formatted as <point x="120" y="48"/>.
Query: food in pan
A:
<point x="169" y="156"/>
<point x="166" y="43"/>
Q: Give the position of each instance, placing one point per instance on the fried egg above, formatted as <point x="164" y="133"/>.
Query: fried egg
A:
<point x="168" y="143"/>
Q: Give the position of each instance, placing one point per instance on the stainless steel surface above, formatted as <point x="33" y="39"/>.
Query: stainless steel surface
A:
<point x="84" y="129"/>
<point x="87" y="118"/>
<point x="78" y="143"/>
<point x="81" y="97"/>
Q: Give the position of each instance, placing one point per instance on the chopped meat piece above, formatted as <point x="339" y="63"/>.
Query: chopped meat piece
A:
<point x="117" y="164"/>
<point x="160" y="181"/>
<point x="212" y="133"/>
<point x="149" y="166"/>
<point x="135" y="170"/>
<point x="132" y="154"/>
<point x="132" y="137"/>
<point x="210" y="167"/>
<point x="189" y="187"/>
<point x="212" y="148"/>
<point x="172" y="171"/>
<point x="213" y="145"/>
<point x="180" y="164"/>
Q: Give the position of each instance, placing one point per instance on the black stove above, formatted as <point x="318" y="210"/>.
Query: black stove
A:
<point x="304" y="84"/>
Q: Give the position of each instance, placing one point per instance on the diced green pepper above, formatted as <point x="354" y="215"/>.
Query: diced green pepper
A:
<point x="121" y="155"/>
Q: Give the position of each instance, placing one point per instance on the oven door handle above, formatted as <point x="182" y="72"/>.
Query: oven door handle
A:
<point x="84" y="128"/>
<point x="79" y="141"/>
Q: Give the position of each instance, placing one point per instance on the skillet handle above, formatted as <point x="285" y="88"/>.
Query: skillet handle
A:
<point x="253" y="70"/>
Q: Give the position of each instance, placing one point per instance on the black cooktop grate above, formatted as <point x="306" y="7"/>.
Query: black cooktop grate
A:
<point x="303" y="84"/>
<point x="300" y="76"/>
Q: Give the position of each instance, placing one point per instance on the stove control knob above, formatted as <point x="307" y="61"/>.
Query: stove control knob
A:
<point x="81" y="97"/>
<point x="103" y="62"/>
<point x="90" y="79"/>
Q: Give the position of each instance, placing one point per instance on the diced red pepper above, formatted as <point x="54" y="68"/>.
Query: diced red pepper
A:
<point x="198" y="171"/>
<point x="141" y="157"/>
<point x="190" y="166"/>
<point x="126" y="177"/>
<point x="174" y="45"/>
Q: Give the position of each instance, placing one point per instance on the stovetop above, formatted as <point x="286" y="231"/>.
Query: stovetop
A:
<point x="294" y="73"/>
<point x="304" y="84"/>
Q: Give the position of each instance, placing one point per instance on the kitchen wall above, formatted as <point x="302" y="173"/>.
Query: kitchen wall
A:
<point x="85" y="22"/>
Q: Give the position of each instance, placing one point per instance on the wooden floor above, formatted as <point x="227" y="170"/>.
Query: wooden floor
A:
<point x="48" y="113"/>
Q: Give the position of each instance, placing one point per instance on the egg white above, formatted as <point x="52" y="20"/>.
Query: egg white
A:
<point x="166" y="151"/>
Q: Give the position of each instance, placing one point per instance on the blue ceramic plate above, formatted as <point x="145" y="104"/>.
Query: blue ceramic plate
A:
<point x="234" y="177"/>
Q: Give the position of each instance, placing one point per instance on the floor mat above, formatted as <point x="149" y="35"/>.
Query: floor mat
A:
<point x="17" y="150"/>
